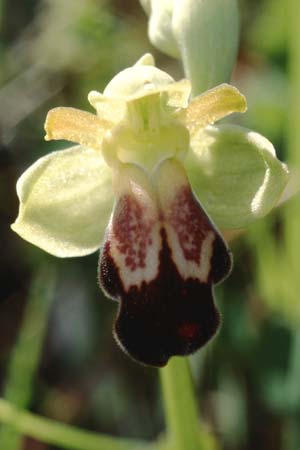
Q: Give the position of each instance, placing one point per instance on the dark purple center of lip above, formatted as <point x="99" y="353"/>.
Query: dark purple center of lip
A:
<point x="167" y="316"/>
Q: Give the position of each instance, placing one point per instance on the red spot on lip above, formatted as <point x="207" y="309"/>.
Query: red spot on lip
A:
<point x="188" y="330"/>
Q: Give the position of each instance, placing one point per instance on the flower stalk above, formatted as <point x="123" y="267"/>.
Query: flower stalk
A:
<point x="55" y="433"/>
<point x="184" y="428"/>
<point x="26" y="355"/>
<point x="292" y="213"/>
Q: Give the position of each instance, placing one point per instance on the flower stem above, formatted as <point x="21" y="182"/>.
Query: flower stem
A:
<point x="292" y="217"/>
<point x="26" y="354"/>
<point x="291" y="429"/>
<point x="294" y="76"/>
<point x="183" y="425"/>
<point x="64" y="436"/>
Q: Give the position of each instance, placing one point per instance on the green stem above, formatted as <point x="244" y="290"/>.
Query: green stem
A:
<point x="292" y="219"/>
<point x="293" y="377"/>
<point x="64" y="436"/>
<point x="294" y="76"/>
<point x="1" y="13"/>
<point x="181" y="409"/>
<point x="26" y="354"/>
<point x="291" y="429"/>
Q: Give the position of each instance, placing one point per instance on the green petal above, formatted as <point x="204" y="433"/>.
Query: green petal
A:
<point x="235" y="174"/>
<point x="65" y="202"/>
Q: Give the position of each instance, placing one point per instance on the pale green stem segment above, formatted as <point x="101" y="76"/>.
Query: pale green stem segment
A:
<point x="181" y="411"/>
<point x="291" y="431"/>
<point x="1" y="12"/>
<point x="64" y="436"/>
<point x="292" y="210"/>
<point x="26" y="354"/>
<point x="294" y="75"/>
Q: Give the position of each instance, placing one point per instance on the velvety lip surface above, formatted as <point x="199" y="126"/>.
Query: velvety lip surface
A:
<point x="168" y="316"/>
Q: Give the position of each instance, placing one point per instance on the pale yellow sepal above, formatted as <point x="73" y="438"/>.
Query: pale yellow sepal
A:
<point x="65" y="202"/>
<point x="213" y="105"/>
<point x="112" y="110"/>
<point x="136" y="80"/>
<point x="137" y="83"/>
<point x="75" y="125"/>
<point x="235" y="174"/>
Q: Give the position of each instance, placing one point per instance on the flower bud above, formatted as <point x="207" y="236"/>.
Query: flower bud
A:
<point x="202" y="33"/>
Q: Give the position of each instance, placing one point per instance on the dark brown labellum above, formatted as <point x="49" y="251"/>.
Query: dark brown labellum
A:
<point x="167" y="309"/>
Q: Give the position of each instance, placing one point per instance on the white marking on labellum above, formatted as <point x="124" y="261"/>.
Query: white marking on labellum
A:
<point x="135" y="241"/>
<point x="190" y="235"/>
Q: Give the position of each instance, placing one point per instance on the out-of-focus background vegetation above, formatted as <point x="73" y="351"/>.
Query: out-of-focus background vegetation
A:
<point x="52" y="53"/>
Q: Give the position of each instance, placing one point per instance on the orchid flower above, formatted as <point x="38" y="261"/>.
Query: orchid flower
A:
<point x="150" y="181"/>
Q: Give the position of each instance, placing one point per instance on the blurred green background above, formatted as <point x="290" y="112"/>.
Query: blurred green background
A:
<point x="52" y="53"/>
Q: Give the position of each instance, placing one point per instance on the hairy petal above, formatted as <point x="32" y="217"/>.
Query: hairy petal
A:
<point x="213" y="105"/>
<point x="65" y="202"/>
<point x="235" y="173"/>
<point x="76" y="126"/>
